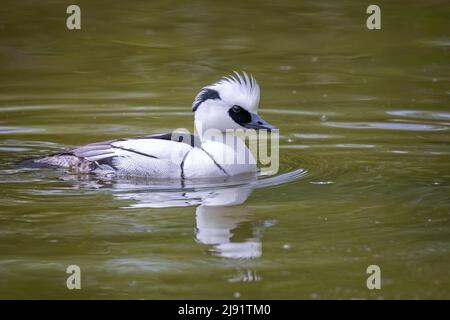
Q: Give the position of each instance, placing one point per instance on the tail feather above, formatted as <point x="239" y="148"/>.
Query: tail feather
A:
<point x="60" y="160"/>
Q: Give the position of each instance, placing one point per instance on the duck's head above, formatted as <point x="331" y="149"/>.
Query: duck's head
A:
<point x="231" y="103"/>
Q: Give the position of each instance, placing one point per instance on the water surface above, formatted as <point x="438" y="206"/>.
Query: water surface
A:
<point x="364" y="119"/>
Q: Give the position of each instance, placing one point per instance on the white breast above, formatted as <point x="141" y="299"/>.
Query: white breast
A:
<point x="216" y="159"/>
<point x="198" y="164"/>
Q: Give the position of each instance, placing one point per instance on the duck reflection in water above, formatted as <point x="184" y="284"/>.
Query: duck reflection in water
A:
<point x="222" y="222"/>
<point x="228" y="227"/>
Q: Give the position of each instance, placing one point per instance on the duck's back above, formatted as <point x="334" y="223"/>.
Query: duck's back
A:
<point x="158" y="156"/>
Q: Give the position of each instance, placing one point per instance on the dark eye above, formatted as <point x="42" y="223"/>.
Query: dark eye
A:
<point x="236" y="109"/>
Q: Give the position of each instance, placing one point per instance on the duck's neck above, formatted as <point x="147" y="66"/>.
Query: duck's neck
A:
<point x="208" y="135"/>
<point x="215" y="135"/>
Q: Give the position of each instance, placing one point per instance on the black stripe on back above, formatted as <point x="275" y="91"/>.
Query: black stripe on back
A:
<point x="134" y="151"/>
<point x="189" y="139"/>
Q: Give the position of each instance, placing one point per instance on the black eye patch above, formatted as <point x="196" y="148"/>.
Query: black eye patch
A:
<point x="240" y="115"/>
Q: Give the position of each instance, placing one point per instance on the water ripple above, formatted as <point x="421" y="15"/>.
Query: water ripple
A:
<point x="386" y="126"/>
<point x="420" y="114"/>
<point x="10" y="130"/>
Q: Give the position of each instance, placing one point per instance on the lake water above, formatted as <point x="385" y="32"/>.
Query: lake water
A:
<point x="364" y="120"/>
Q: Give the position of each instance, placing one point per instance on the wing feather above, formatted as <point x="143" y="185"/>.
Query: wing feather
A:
<point x="165" y="147"/>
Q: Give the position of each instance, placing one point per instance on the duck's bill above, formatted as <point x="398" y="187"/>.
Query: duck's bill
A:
<point x="259" y="123"/>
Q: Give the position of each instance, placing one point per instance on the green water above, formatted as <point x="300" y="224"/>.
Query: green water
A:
<point x="365" y="114"/>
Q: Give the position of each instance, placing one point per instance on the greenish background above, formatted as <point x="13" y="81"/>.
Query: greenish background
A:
<point x="364" y="113"/>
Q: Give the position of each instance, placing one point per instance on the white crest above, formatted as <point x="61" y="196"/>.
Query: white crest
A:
<point x="237" y="89"/>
